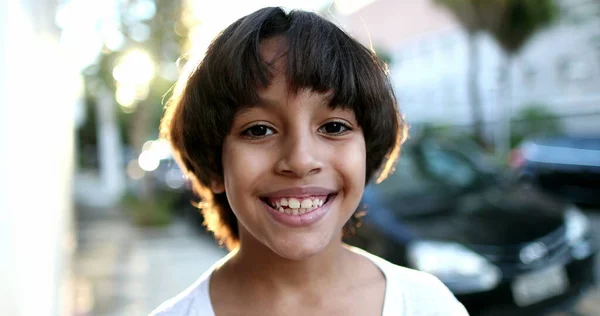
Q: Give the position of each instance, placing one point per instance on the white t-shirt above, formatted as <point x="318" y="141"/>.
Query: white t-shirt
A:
<point x="407" y="293"/>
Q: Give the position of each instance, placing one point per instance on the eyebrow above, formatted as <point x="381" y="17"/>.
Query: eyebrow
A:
<point x="262" y="103"/>
<point x="246" y="109"/>
<point x="265" y="103"/>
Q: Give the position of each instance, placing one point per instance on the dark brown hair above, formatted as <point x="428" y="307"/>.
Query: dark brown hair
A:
<point x="319" y="56"/>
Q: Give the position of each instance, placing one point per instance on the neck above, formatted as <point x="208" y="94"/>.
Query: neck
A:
<point x="256" y="264"/>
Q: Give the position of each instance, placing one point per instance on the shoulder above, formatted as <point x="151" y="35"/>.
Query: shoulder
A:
<point x="417" y="282"/>
<point x="421" y="293"/>
<point x="425" y="294"/>
<point x="194" y="301"/>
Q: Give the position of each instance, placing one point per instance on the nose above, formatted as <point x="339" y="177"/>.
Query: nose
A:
<point x="299" y="155"/>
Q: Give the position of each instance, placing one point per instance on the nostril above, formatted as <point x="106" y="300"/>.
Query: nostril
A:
<point x="298" y="164"/>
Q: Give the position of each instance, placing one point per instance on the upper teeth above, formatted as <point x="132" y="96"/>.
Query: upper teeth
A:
<point x="294" y="203"/>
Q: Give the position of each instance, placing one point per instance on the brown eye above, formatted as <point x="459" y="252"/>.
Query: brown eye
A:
<point x="334" y="128"/>
<point x="257" y="131"/>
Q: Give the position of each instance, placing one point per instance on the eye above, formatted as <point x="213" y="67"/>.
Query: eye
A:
<point x="258" y="131"/>
<point x="335" y="128"/>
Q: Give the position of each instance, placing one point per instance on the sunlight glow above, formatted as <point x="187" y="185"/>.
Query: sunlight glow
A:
<point x="147" y="146"/>
<point x="133" y="74"/>
<point x="126" y="97"/>
<point x="148" y="161"/>
<point x="84" y="22"/>
<point x="135" y="68"/>
<point x="134" y="171"/>
<point x="85" y="26"/>
<point x="207" y="18"/>
<point x="175" y="179"/>
<point x="153" y="151"/>
<point x="162" y="148"/>
<point x="112" y="36"/>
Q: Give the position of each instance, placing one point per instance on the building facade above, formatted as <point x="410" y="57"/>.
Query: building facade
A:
<point x="558" y="68"/>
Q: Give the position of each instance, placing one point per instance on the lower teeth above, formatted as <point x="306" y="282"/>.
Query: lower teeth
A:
<point x="295" y="211"/>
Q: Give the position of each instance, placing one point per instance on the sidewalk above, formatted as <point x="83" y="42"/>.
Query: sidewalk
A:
<point x="126" y="270"/>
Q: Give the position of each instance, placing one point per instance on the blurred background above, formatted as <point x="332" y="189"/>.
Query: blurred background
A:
<point x="496" y="193"/>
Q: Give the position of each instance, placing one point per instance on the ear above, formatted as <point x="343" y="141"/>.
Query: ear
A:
<point x="217" y="186"/>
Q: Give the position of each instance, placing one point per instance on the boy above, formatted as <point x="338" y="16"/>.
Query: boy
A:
<point x="280" y="128"/>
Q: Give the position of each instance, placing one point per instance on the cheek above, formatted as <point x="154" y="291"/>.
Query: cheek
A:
<point x="242" y="167"/>
<point x="350" y="161"/>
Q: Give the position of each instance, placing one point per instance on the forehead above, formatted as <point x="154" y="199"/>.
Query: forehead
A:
<point x="284" y="91"/>
<point x="274" y="53"/>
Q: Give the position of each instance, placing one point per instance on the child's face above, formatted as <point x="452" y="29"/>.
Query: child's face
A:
<point x="294" y="169"/>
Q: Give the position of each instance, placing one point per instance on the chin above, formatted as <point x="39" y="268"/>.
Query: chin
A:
<point x="301" y="247"/>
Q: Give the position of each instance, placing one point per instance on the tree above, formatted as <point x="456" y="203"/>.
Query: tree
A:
<point x="534" y="120"/>
<point x="517" y="21"/>
<point x="511" y="23"/>
<point x="153" y="38"/>
<point x="471" y="14"/>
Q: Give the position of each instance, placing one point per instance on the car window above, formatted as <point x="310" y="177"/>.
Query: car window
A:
<point x="409" y="178"/>
<point x="405" y="179"/>
<point x="425" y="168"/>
<point x="448" y="167"/>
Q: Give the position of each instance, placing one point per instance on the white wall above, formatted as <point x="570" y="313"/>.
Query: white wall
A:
<point x="559" y="67"/>
<point x="37" y="100"/>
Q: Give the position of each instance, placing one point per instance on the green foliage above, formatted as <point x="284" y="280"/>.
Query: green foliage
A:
<point x="155" y="212"/>
<point x="533" y="120"/>
<point x="520" y="19"/>
<point x="511" y="22"/>
<point x="446" y="133"/>
<point x="87" y="141"/>
<point x="167" y="37"/>
<point x="469" y="13"/>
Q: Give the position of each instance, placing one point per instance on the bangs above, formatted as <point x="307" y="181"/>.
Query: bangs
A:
<point x="317" y="54"/>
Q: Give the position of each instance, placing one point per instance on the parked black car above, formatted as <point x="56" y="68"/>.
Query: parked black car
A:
<point x="566" y="166"/>
<point x="502" y="247"/>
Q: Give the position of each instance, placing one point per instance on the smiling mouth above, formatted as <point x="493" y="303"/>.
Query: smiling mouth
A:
<point x="298" y="205"/>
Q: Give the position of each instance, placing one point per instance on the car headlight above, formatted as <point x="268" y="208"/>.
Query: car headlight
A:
<point x="461" y="269"/>
<point x="577" y="225"/>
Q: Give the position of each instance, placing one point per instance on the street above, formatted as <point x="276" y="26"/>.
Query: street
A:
<point x="125" y="270"/>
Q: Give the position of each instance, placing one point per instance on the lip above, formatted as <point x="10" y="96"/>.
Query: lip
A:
<point x="299" y="192"/>
<point x="304" y="220"/>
